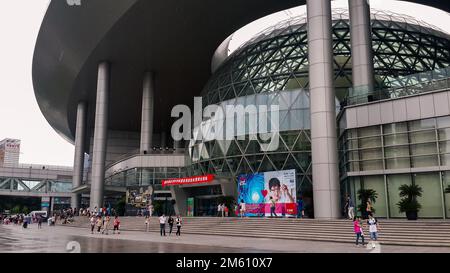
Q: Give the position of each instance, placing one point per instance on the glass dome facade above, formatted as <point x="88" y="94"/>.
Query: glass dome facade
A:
<point x="275" y="62"/>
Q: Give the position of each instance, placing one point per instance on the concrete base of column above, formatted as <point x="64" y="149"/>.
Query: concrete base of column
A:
<point x="180" y="200"/>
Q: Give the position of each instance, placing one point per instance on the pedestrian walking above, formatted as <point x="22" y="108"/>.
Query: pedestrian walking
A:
<point x="179" y="222"/>
<point x="92" y="221"/>
<point x="272" y="207"/>
<point x="162" y="225"/>
<point x="147" y="223"/>
<point x="368" y="209"/>
<point x="99" y="224"/>
<point x="242" y="208"/>
<point x="219" y="210"/>
<point x="226" y="210"/>
<point x="351" y="208"/>
<point x="39" y="222"/>
<point x="116" y="225"/>
<point x="373" y="230"/>
<point x="357" y="227"/>
<point x="170" y="221"/>
<point x="300" y="208"/>
<point x="106" y="225"/>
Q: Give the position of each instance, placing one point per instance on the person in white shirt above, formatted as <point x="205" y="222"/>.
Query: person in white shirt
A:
<point x="219" y="210"/>
<point x="92" y="221"/>
<point x="162" y="224"/>
<point x="242" y="208"/>
<point x="373" y="229"/>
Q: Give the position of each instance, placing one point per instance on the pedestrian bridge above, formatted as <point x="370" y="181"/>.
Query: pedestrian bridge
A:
<point x="30" y="180"/>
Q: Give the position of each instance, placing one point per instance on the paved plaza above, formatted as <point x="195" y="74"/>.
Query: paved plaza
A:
<point x="14" y="238"/>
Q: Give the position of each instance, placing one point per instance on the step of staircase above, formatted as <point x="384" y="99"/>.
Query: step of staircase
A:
<point x="394" y="232"/>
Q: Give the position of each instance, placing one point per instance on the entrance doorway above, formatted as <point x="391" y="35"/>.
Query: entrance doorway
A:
<point x="206" y="205"/>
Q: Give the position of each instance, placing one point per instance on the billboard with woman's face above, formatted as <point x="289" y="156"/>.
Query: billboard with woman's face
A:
<point x="261" y="191"/>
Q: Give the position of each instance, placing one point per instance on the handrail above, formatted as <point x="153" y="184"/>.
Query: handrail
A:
<point x="421" y="82"/>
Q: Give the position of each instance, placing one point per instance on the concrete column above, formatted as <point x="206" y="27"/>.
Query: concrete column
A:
<point x="361" y="43"/>
<point x="180" y="200"/>
<point x="148" y="98"/>
<point x="78" y="162"/>
<point x="100" y="137"/>
<point x="163" y="140"/>
<point x="323" y="111"/>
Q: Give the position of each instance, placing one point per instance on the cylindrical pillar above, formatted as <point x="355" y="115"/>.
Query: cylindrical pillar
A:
<point x="323" y="111"/>
<point x="163" y="139"/>
<point x="100" y="136"/>
<point x="361" y="47"/>
<point x="148" y="98"/>
<point x="78" y="162"/>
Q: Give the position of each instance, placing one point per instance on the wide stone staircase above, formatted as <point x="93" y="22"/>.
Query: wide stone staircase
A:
<point x="393" y="232"/>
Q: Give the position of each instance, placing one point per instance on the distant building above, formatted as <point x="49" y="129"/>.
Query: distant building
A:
<point x="9" y="152"/>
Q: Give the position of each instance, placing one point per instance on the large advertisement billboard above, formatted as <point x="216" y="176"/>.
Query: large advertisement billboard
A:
<point x="261" y="191"/>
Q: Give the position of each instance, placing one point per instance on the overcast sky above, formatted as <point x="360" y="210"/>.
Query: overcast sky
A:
<point x="20" y="116"/>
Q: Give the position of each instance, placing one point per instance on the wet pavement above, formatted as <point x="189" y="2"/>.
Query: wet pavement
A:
<point x="60" y="239"/>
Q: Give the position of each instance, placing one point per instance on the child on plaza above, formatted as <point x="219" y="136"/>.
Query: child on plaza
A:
<point x="116" y="225"/>
<point x="357" y="227"/>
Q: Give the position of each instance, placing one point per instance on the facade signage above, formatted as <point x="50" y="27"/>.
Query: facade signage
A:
<point x="188" y="180"/>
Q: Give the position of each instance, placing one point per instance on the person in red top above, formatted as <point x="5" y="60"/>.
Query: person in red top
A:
<point x="226" y="211"/>
<point x="116" y="225"/>
<point x="357" y="228"/>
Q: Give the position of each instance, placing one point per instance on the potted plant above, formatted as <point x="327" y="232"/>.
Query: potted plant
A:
<point x="366" y="195"/>
<point x="409" y="204"/>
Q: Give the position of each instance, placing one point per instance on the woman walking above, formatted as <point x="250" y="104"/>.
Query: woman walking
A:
<point x="116" y="225"/>
<point x="99" y="224"/>
<point x="147" y="223"/>
<point x="170" y="221"/>
<point x="92" y="221"/>
<point x="179" y="222"/>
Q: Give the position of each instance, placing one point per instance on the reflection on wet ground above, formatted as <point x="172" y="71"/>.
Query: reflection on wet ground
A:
<point x="16" y="239"/>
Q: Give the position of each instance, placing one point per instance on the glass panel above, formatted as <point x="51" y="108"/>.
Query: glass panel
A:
<point x="369" y="131"/>
<point x="443" y="122"/>
<point x="444" y="146"/>
<point x="445" y="159"/>
<point x="422" y="124"/>
<point x="370" y="142"/>
<point x="424" y="161"/>
<point x="446" y="183"/>
<point x="377" y="183"/>
<point x="396" y="139"/>
<point x="396" y="151"/>
<point x="423" y="136"/>
<point x="398" y="163"/>
<point x="394" y="182"/>
<point x="444" y="134"/>
<point x="371" y="165"/>
<point x="431" y="199"/>
<point x="423" y="149"/>
<point x="394" y="128"/>
<point x="371" y="154"/>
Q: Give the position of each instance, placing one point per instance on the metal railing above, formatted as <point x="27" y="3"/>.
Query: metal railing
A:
<point x="404" y="86"/>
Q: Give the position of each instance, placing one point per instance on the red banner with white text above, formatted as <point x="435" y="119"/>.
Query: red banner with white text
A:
<point x="200" y="179"/>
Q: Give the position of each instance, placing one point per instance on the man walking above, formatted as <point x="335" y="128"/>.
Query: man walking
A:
<point x="162" y="224"/>
<point x="351" y="208"/>
<point x="272" y="207"/>
<point x="219" y="210"/>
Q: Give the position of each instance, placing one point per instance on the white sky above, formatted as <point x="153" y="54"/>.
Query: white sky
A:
<point x="20" y="116"/>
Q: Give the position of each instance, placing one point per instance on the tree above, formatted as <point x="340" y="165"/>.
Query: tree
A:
<point x="409" y="204"/>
